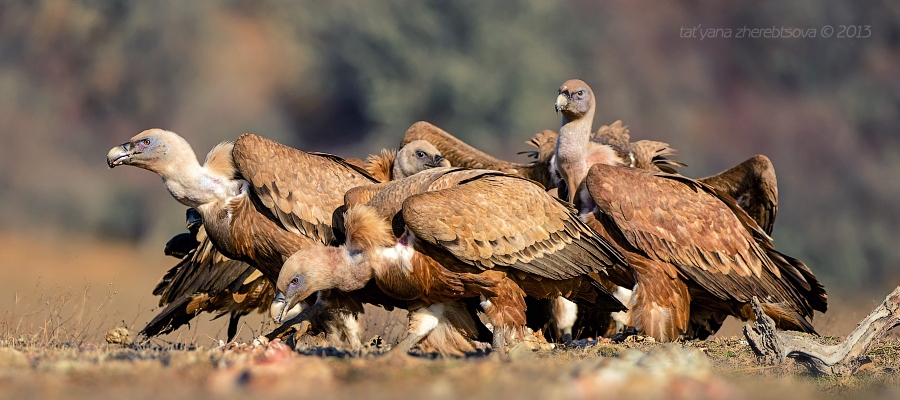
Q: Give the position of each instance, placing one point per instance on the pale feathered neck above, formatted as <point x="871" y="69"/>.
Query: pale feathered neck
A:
<point x="571" y="149"/>
<point x="193" y="184"/>
<point x="349" y="271"/>
<point x="574" y="135"/>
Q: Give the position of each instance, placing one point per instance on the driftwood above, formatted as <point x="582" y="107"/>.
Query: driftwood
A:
<point x="772" y="346"/>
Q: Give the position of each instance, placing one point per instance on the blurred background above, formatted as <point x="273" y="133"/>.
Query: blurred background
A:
<point x="348" y="77"/>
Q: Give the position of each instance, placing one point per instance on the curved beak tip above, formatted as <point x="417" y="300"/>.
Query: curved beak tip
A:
<point x="561" y="102"/>
<point x="278" y="307"/>
<point x="117" y="155"/>
<point x="438" y="161"/>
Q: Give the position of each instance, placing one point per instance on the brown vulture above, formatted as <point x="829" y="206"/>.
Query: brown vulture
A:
<point x="751" y="182"/>
<point x="448" y="234"/>
<point x="207" y="281"/>
<point x="697" y="255"/>
<point x="260" y="202"/>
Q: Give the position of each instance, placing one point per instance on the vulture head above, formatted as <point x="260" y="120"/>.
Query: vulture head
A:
<point x="417" y="156"/>
<point x="575" y="100"/>
<point x="154" y="150"/>
<point x="310" y="270"/>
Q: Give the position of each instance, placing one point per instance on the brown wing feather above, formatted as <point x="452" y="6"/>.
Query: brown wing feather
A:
<point x="206" y="281"/>
<point x="508" y="221"/>
<point x="203" y="270"/>
<point x="654" y="156"/>
<point x="753" y="184"/>
<point x="380" y="166"/>
<point x="705" y="234"/>
<point x="299" y="189"/>
<point x="388" y="198"/>
<point x="674" y="222"/>
<point x="545" y="142"/>
<point x="461" y="154"/>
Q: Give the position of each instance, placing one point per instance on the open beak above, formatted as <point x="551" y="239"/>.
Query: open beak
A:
<point x="118" y="155"/>
<point x="438" y="161"/>
<point x="561" y="102"/>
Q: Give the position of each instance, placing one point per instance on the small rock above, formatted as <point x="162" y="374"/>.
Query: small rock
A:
<point x="521" y="352"/>
<point x="260" y="341"/>
<point x="118" y="335"/>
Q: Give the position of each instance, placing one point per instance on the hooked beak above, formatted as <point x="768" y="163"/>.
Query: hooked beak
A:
<point x="561" y="102"/>
<point x="282" y="310"/>
<point x="278" y="307"/>
<point x="193" y="218"/>
<point x="118" y="155"/>
<point x="437" y="161"/>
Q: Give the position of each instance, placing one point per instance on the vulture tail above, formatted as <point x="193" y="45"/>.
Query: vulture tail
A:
<point x="171" y="318"/>
<point x="785" y="317"/>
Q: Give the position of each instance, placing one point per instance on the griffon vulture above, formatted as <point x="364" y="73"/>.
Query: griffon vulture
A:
<point x="236" y="191"/>
<point x="207" y="281"/>
<point x="698" y="257"/>
<point x="448" y="234"/>
<point x="752" y="183"/>
<point x="260" y="201"/>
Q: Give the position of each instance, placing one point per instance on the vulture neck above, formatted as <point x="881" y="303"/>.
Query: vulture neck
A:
<point x="194" y="185"/>
<point x="571" y="148"/>
<point x="352" y="271"/>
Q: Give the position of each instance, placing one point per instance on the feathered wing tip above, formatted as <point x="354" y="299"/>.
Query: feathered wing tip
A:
<point x="545" y="142"/>
<point x="784" y="316"/>
<point x="653" y="155"/>
<point x="366" y="230"/>
<point x="220" y="159"/>
<point x="380" y="166"/>
<point x="359" y="164"/>
<point x="804" y="282"/>
<point x="177" y="313"/>
<point x="615" y="134"/>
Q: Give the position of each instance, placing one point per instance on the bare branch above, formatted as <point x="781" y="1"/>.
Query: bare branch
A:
<point x="772" y="346"/>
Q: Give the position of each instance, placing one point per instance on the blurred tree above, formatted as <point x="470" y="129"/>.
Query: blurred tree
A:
<point x="78" y="76"/>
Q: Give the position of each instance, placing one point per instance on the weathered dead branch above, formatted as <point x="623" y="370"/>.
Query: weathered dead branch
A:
<point x="773" y="346"/>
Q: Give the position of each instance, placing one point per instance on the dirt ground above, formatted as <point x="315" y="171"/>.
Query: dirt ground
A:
<point x="722" y="368"/>
<point x="61" y="296"/>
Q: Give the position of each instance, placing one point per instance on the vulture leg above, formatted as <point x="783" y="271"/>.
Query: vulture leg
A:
<point x="565" y="312"/>
<point x="233" y="320"/>
<point x="421" y="322"/>
<point x="349" y="329"/>
<point x="483" y="334"/>
<point x="622" y="319"/>
<point x="660" y="302"/>
<point x="506" y="311"/>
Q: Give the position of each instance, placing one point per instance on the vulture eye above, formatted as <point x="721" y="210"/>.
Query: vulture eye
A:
<point x="420" y="154"/>
<point x="579" y="93"/>
<point x="295" y="281"/>
<point x="146" y="142"/>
